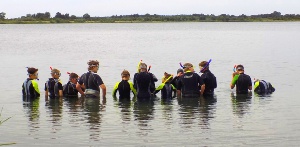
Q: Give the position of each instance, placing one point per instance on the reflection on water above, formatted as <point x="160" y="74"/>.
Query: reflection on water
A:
<point x="55" y="106"/>
<point x="167" y="109"/>
<point x="143" y="114"/>
<point x="125" y="106"/>
<point x="207" y="111"/>
<point x="74" y="106"/>
<point x="201" y="109"/>
<point x="93" y="112"/>
<point x="33" y="113"/>
<point x="241" y="103"/>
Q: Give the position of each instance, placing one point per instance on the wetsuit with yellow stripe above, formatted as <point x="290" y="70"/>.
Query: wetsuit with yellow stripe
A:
<point x="30" y="90"/>
<point x="166" y="90"/>
<point x="124" y="87"/>
<point x="263" y="87"/>
<point x="242" y="82"/>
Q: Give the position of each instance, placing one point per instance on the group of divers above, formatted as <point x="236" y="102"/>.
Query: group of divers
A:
<point x="187" y="83"/>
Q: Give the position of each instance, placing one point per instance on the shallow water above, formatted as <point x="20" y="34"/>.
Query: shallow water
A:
<point x="268" y="51"/>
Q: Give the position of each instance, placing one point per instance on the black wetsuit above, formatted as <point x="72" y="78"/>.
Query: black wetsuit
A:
<point x="242" y="84"/>
<point x="69" y="90"/>
<point x="143" y="83"/>
<point x="91" y="81"/>
<point x="152" y="87"/>
<point x="53" y="86"/>
<point x="190" y="84"/>
<point x="210" y="82"/>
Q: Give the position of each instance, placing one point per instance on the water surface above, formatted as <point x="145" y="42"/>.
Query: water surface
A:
<point x="268" y="51"/>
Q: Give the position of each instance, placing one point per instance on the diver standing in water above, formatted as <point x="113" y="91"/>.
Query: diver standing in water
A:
<point x="124" y="87"/>
<point x="143" y="82"/>
<point x="69" y="89"/>
<point x="91" y="82"/>
<point x="30" y="87"/>
<point x="241" y="80"/>
<point x="53" y="87"/>
<point x="190" y="84"/>
<point x="208" y="78"/>
<point x="166" y="87"/>
<point x="175" y="80"/>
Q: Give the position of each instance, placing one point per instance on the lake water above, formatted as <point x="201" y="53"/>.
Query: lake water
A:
<point x="268" y="51"/>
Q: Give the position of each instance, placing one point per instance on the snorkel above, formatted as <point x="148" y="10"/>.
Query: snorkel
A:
<point x="181" y="65"/>
<point x="234" y="68"/>
<point x="205" y="66"/>
<point x="149" y="68"/>
<point x="168" y="79"/>
<point x="138" y="67"/>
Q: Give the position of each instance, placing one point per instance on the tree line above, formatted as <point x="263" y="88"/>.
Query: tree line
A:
<point x="67" y="18"/>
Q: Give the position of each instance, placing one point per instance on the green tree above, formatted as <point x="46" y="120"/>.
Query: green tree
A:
<point x="58" y="15"/>
<point x="67" y="16"/>
<point x="86" y="16"/>
<point x="73" y="17"/>
<point x="47" y="15"/>
<point x="2" y="15"/>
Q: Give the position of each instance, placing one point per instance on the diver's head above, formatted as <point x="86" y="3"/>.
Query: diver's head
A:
<point x="167" y="77"/>
<point x="125" y="75"/>
<point x="73" y="77"/>
<point x="143" y="67"/>
<point x="93" y="65"/>
<point x="188" y="67"/>
<point x="202" y="66"/>
<point x="240" y="68"/>
<point x="55" y="73"/>
<point x="32" y="72"/>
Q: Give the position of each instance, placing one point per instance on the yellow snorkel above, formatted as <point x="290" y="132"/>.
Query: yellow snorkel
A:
<point x="138" y="67"/>
<point x="168" y="79"/>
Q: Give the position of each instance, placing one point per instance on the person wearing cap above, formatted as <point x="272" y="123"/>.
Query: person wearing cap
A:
<point x="166" y="87"/>
<point x="53" y="87"/>
<point x="30" y="87"/>
<point x="69" y="89"/>
<point x="208" y="78"/>
<point x="263" y="87"/>
<point x="143" y="82"/>
<point x="241" y="80"/>
<point x="190" y="84"/>
<point x="124" y="87"/>
<point x="91" y="82"/>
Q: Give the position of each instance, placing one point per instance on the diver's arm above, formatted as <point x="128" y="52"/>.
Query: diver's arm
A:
<point x="202" y="89"/>
<point x="78" y="87"/>
<point x="103" y="87"/>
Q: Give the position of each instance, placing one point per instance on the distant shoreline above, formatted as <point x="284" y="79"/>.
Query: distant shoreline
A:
<point x="74" y="22"/>
<point x="45" y="18"/>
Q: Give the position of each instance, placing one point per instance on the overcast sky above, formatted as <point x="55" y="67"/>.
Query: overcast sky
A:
<point x="17" y="8"/>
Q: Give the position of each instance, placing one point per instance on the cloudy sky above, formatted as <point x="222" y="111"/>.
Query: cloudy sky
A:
<point x="17" y="8"/>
